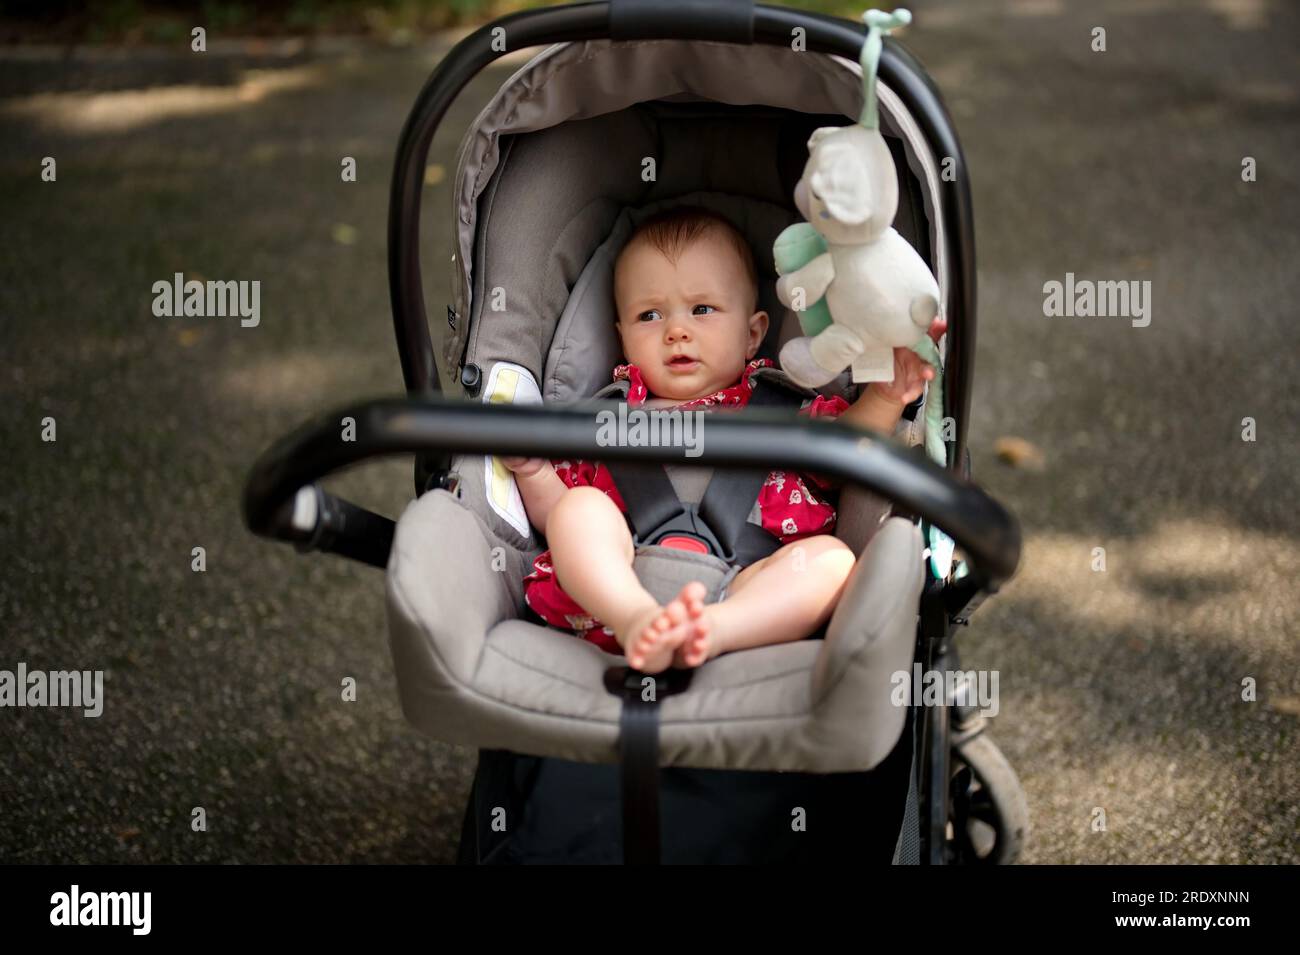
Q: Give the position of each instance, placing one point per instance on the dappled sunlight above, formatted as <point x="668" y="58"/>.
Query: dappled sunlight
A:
<point x="1183" y="573"/>
<point x="1268" y="93"/>
<point x="126" y="110"/>
<point x="1240" y="14"/>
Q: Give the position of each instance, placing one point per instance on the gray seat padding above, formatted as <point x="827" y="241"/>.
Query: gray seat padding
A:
<point x="470" y="671"/>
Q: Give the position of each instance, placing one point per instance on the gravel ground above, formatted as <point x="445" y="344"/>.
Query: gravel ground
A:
<point x="1121" y="690"/>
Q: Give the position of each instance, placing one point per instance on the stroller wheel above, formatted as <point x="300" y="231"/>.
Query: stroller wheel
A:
<point x="989" y="816"/>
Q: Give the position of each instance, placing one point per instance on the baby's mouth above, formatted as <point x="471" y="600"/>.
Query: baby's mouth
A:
<point x="682" y="363"/>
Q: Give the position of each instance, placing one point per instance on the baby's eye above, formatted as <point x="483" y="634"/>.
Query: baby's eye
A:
<point x="702" y="310"/>
<point x="650" y="316"/>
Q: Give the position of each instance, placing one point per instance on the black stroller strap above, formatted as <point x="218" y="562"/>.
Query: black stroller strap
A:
<point x="722" y="517"/>
<point x="638" y="745"/>
<point x="639" y="750"/>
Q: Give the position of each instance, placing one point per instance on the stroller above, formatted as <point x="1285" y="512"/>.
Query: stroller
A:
<point x="787" y="753"/>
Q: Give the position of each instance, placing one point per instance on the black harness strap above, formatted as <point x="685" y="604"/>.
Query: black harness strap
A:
<point x="651" y="501"/>
<point x="722" y="517"/>
<point x="725" y="508"/>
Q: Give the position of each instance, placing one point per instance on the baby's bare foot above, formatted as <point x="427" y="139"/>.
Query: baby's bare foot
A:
<point x="655" y="634"/>
<point x="639" y="635"/>
<point x="714" y="635"/>
<point x="694" y="649"/>
<point x="703" y="646"/>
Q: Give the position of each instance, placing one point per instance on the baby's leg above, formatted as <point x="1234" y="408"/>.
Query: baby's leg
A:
<point x="783" y="597"/>
<point x="592" y="552"/>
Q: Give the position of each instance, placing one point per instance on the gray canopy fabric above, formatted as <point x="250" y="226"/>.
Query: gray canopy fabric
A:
<point x="575" y="127"/>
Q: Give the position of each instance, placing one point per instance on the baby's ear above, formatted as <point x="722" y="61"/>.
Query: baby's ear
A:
<point x="758" y="326"/>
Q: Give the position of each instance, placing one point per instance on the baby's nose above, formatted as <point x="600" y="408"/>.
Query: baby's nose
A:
<point x="676" y="331"/>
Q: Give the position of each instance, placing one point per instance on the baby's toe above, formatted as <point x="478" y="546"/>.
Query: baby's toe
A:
<point x="693" y="595"/>
<point x="674" y="614"/>
<point x="696" y="651"/>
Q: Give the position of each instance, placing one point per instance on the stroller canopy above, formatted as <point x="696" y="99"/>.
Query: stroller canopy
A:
<point x="619" y="130"/>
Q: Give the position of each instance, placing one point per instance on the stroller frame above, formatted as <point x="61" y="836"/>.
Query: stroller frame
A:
<point x="955" y="775"/>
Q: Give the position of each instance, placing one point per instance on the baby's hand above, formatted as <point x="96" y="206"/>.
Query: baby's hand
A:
<point x="911" y="372"/>
<point x="524" y="467"/>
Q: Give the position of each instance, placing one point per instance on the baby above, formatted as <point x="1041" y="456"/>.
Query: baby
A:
<point x="686" y="292"/>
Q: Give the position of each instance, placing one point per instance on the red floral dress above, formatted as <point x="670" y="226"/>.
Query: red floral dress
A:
<point x="791" y="505"/>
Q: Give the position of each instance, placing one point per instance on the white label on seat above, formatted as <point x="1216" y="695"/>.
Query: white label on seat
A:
<point x="508" y="384"/>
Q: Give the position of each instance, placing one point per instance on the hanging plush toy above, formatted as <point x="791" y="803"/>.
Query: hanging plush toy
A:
<point x="860" y="289"/>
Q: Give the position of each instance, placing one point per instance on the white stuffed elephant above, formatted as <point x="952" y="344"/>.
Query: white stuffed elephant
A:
<point x="880" y="293"/>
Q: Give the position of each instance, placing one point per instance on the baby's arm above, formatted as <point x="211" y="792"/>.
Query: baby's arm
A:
<point x="539" y="486"/>
<point x="874" y="410"/>
<point x="881" y="403"/>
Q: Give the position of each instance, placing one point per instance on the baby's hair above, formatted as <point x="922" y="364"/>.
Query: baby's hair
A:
<point x="672" y="230"/>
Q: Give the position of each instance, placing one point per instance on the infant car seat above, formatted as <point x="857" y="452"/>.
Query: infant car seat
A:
<point x="551" y="183"/>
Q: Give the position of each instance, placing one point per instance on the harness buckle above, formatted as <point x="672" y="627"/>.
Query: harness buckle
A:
<point x="687" y="531"/>
<point x="682" y="542"/>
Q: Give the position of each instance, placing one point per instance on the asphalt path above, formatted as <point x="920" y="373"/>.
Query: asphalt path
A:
<point x="1121" y="689"/>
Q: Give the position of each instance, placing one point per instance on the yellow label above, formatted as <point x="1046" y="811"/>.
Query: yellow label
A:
<point x="507" y="382"/>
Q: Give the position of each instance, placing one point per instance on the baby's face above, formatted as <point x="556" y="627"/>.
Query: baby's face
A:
<point x="689" y="325"/>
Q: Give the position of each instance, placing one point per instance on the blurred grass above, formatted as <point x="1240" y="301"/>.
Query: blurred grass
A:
<point x="170" y="21"/>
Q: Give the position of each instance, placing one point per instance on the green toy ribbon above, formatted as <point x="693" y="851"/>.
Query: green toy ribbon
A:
<point x="878" y="23"/>
<point x="941" y="545"/>
<point x="935" y="446"/>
